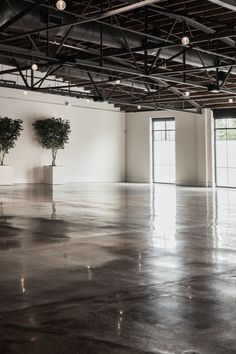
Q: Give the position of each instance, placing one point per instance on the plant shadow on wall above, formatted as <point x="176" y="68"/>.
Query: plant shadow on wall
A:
<point x="52" y="134"/>
<point x="10" y="131"/>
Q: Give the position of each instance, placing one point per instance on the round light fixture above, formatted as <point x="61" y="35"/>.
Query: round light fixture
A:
<point x="185" y="40"/>
<point x="117" y="82"/>
<point x="34" y="67"/>
<point x="61" y="5"/>
<point x="231" y="100"/>
<point x="187" y="94"/>
<point x="139" y="107"/>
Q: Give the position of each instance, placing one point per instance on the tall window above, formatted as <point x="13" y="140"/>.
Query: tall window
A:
<point x="225" y="148"/>
<point x="163" y="135"/>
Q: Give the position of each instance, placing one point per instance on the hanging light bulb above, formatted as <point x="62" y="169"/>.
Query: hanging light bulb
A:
<point x="117" y="82"/>
<point x="185" y="40"/>
<point x="139" y="107"/>
<point x="34" y="67"/>
<point x="187" y="94"/>
<point x="231" y="100"/>
<point x="61" y="5"/>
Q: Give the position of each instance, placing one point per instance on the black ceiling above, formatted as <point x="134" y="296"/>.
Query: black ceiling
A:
<point x="128" y="53"/>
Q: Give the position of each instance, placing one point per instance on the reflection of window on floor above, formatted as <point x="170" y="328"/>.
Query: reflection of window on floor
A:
<point x="225" y="146"/>
<point x="163" y="133"/>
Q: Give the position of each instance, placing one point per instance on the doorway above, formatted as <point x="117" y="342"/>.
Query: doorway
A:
<point x="225" y="147"/>
<point x="163" y="154"/>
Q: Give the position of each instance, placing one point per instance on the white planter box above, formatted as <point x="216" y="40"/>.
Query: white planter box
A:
<point x="6" y="175"/>
<point x="53" y="175"/>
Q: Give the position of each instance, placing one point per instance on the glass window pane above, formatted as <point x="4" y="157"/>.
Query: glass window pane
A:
<point x="164" y="153"/>
<point x="166" y="174"/>
<point x="222" y="179"/>
<point x="231" y="151"/>
<point x="231" y="123"/>
<point x="168" y="135"/>
<point x="172" y="153"/>
<point x="158" y="173"/>
<point x="159" y="125"/>
<point x="163" y="136"/>
<point x="170" y="124"/>
<point x="221" y="123"/>
<point x="226" y="152"/>
<point x="221" y="134"/>
<point x="221" y="153"/>
<point x="172" y="173"/>
<point x="172" y="135"/>
<point x="231" y="134"/>
<point x="157" y="136"/>
<point x="232" y="177"/>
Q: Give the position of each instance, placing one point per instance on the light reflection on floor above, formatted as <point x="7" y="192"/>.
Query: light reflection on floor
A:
<point x="117" y="268"/>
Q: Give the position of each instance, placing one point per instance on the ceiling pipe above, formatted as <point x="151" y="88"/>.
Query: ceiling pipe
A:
<point x="90" y="32"/>
<point x="228" y="4"/>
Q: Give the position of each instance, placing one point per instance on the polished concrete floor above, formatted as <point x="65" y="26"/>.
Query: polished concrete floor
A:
<point x="123" y="269"/>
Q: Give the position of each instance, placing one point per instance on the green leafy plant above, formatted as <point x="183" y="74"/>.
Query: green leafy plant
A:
<point x="10" y="131"/>
<point x="53" y="134"/>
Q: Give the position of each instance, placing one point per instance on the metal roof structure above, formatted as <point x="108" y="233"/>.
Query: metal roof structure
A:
<point x="137" y="55"/>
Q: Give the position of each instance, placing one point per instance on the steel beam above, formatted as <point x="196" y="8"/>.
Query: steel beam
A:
<point x="228" y="4"/>
<point x="110" y="68"/>
<point x="192" y="22"/>
<point x="150" y="107"/>
<point x="80" y="21"/>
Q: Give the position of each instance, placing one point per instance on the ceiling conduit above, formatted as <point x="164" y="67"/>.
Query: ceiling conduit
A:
<point x="90" y="32"/>
<point x="228" y="4"/>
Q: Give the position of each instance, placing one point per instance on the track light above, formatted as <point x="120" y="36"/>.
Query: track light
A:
<point x="231" y="100"/>
<point x="185" y="40"/>
<point x="187" y="94"/>
<point x="117" y="82"/>
<point x="61" y="5"/>
<point x="34" y="67"/>
<point x="139" y="107"/>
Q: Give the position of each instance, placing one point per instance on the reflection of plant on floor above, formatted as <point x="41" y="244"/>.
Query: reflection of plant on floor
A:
<point x="8" y="231"/>
<point x="4" y="220"/>
<point x="10" y="131"/>
<point x="53" y="134"/>
<point x="54" y="211"/>
<point x="50" y="229"/>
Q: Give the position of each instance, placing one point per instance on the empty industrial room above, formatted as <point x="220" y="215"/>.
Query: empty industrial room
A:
<point x="118" y="177"/>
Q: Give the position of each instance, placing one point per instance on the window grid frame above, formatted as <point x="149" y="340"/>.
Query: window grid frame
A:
<point x="215" y="144"/>
<point x="165" y="120"/>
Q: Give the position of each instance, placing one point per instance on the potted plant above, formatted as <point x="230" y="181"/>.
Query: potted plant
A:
<point x="10" y="131"/>
<point x="53" y="134"/>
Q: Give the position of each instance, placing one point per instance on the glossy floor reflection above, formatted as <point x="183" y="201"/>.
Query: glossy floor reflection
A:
<point x="100" y="269"/>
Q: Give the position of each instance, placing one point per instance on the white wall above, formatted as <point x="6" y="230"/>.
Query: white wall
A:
<point x="96" y="151"/>
<point x="193" y="147"/>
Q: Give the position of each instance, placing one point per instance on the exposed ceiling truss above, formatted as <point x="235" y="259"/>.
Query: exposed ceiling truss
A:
<point x="128" y="53"/>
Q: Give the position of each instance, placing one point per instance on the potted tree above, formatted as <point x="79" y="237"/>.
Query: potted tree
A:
<point x="10" y="131"/>
<point x="53" y="134"/>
